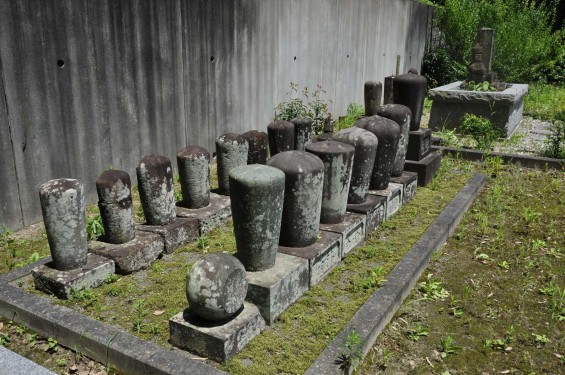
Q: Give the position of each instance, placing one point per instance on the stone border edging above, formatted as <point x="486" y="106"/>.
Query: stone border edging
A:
<point x="371" y="319"/>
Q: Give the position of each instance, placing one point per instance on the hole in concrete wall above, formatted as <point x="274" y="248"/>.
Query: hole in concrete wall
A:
<point x="294" y="58"/>
<point x="60" y="63"/>
<point x="347" y="56"/>
<point x="212" y="58"/>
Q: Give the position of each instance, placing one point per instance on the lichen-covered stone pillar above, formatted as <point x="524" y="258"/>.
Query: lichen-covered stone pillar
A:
<point x="304" y="182"/>
<point x="401" y="115"/>
<point x="231" y="151"/>
<point x="155" y="181"/>
<point x="373" y="92"/>
<point x="410" y="90"/>
<point x="302" y="132"/>
<point x="338" y="160"/>
<point x="387" y="132"/>
<point x="258" y="144"/>
<point x="114" y="202"/>
<point x="257" y="196"/>
<point x="216" y="287"/>
<point x="281" y="136"/>
<point x="194" y="175"/>
<point x="64" y="215"/>
<point x="388" y="95"/>
<point x="365" y="144"/>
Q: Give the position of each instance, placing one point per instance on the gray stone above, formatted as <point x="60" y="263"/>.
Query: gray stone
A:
<point x="133" y="255"/>
<point x="304" y="179"/>
<point x="409" y="181"/>
<point x="393" y="195"/>
<point x="194" y="176"/>
<point x="274" y="290"/>
<point x="426" y="168"/>
<point x="64" y="215"/>
<point x="352" y="229"/>
<point x="419" y="144"/>
<point x="338" y="161"/>
<point x="401" y="115"/>
<point x="281" y="137"/>
<point x="365" y="144"/>
<point x="175" y="234"/>
<point x="231" y="151"/>
<point x="216" y="287"/>
<point x="217" y="341"/>
<point x="302" y="132"/>
<point x="410" y="90"/>
<point x="258" y="146"/>
<point x="485" y="37"/>
<point x="155" y="181"/>
<point x="374" y="208"/>
<point x="373" y="92"/>
<point x="92" y="274"/>
<point x="213" y="216"/>
<point x="14" y="364"/>
<point x="257" y="196"/>
<point x="115" y="204"/>
<point x="388" y="96"/>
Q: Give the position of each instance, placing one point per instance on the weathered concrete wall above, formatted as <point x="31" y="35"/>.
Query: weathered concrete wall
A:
<point x="92" y="84"/>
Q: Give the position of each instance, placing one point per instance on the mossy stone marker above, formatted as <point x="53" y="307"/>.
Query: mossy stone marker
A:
<point x="302" y="132"/>
<point x="231" y="151"/>
<point x="401" y="115"/>
<point x="114" y="202"/>
<point x="281" y="136"/>
<point x="410" y="90"/>
<point x="258" y="144"/>
<point x="155" y="179"/>
<point x="194" y="175"/>
<point x="373" y="92"/>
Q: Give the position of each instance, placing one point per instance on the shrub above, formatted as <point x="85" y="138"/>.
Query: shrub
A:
<point x="440" y="69"/>
<point x="354" y="112"/>
<point x="480" y="129"/>
<point x="555" y="142"/>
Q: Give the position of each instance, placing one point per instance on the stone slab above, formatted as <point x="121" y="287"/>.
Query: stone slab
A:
<point x="393" y="195"/>
<point x="353" y="230"/>
<point x="374" y="208"/>
<point x="274" y="290"/>
<point x="133" y="255"/>
<point x="92" y="274"/>
<point x="426" y="168"/>
<point x="409" y="181"/>
<point x="14" y="364"/>
<point x="322" y="256"/>
<point x="216" y="340"/>
<point x="216" y="214"/>
<point x="419" y="142"/>
<point x="176" y="234"/>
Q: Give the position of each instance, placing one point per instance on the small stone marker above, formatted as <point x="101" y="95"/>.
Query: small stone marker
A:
<point x="114" y="202"/>
<point x="281" y="136"/>
<point x="304" y="179"/>
<point x="257" y="195"/>
<point x="401" y="115"/>
<point x="388" y="96"/>
<point x="258" y="144"/>
<point x="410" y="90"/>
<point x="155" y="178"/>
<point x="302" y="132"/>
<point x="365" y="144"/>
<point x="373" y="92"/>
<point x="194" y="175"/>
<point x="231" y="151"/>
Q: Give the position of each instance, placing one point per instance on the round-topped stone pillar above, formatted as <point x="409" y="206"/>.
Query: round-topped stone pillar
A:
<point x="257" y="196"/>
<point x="194" y="175"/>
<point x="115" y="204"/>
<point x="401" y="115"/>
<point x="302" y="132"/>
<point x="156" y="193"/>
<point x="410" y="90"/>
<point x="373" y="92"/>
<point x="365" y="144"/>
<point x="258" y="144"/>
<point x="338" y="159"/>
<point x="281" y="136"/>
<point x="304" y="181"/>
<point x="64" y="215"/>
<point x="231" y="151"/>
<point x="216" y="287"/>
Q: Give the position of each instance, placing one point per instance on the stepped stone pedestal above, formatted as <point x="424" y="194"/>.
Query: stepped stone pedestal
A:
<point x="393" y="196"/>
<point x="409" y="182"/>
<point x="216" y="214"/>
<point x="374" y="208"/>
<point x="175" y="234"/>
<point x="426" y="168"/>
<point x="352" y="229"/>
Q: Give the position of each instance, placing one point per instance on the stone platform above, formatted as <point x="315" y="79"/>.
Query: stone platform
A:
<point x="176" y="234"/>
<point x="426" y="168"/>
<point x="352" y="229"/>
<point x="210" y="217"/>
<point x="409" y="182"/>
<point x="393" y="196"/>
<point x="374" y="208"/>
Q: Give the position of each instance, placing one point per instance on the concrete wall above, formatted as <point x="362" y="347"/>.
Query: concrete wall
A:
<point x="86" y="85"/>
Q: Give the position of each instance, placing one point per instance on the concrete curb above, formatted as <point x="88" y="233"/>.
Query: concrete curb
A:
<point x="371" y="319"/>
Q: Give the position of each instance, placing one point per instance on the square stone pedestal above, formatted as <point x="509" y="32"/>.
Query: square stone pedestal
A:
<point x="419" y="142"/>
<point x="352" y="230"/>
<point x="393" y="195"/>
<point x="274" y="290"/>
<point x="374" y="208"/>
<point x="426" y="168"/>
<point x="133" y="255"/>
<point x="176" y="234"/>
<point x="215" y="340"/>
<point x="210" y="217"/>
<point x="92" y="274"/>
<point x="322" y="256"/>
<point x="409" y="182"/>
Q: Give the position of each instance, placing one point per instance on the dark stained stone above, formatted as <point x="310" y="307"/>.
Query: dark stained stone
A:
<point x="281" y="136"/>
<point x="410" y="90"/>
<point x="258" y="146"/>
<point x="401" y="115"/>
<point x="194" y="175"/>
<point x="155" y="179"/>
<point x="115" y="204"/>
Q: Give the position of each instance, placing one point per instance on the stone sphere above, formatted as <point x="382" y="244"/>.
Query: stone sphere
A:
<point x="216" y="287"/>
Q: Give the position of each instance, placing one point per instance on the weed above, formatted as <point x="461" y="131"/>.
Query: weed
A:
<point x="4" y="339"/>
<point x="530" y="215"/>
<point x="61" y="362"/>
<point x="52" y="345"/>
<point x="555" y="142"/>
<point x="85" y="296"/>
<point x="374" y="279"/>
<point x="448" y="137"/>
<point x="495" y="344"/>
<point x="433" y="290"/>
<point x="504" y="265"/>
<point x="94" y="227"/>
<point x="112" y="278"/>
<point x="21" y="330"/>
<point x="467" y="291"/>
<point x="540" y="339"/>
<point x="478" y="86"/>
<point x="480" y="129"/>
<point x="354" y="112"/>
<point x="352" y="352"/>
<point x="31" y="339"/>
<point x="202" y="242"/>
<point x="448" y="346"/>
<point x="454" y="308"/>
<point x="557" y="302"/>
<point x="414" y="333"/>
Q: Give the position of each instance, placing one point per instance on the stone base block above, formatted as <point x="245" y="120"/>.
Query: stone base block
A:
<point x="419" y="143"/>
<point x="133" y="255"/>
<point x="274" y="290"/>
<point x="409" y="181"/>
<point x="176" y="234"/>
<point x="216" y="214"/>
<point x="374" y="208"/>
<point x="426" y="168"/>
<point x="352" y="230"/>
<point x="393" y="195"/>
<point x="216" y="340"/>
<point x="92" y="274"/>
<point x="322" y="256"/>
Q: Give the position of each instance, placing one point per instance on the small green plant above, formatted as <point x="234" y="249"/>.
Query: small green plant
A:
<point x="495" y="344"/>
<point x="85" y="296"/>
<point x="140" y="314"/>
<point x="454" y="308"/>
<point x="540" y="339"/>
<point x="478" y="86"/>
<point x="433" y="290"/>
<point x="530" y="215"/>
<point x="374" y="278"/>
<point x="448" y="137"/>
<point x="415" y="332"/>
<point x="354" y="112"/>
<point x="31" y="339"/>
<point x="94" y="227"/>
<point x="112" y="278"/>
<point x="61" y="362"/>
<point x="352" y="352"/>
<point x="448" y="346"/>
<point x="21" y="330"/>
<point x="557" y="301"/>
<point x="202" y="242"/>
<point x="504" y="265"/>
<point x="52" y="345"/>
<point x="554" y="145"/>
<point x="480" y="129"/>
